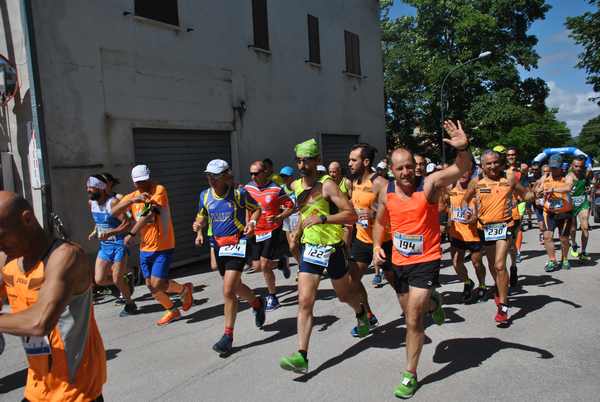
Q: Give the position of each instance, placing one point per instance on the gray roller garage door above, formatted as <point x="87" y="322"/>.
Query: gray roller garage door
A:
<point x="336" y="147"/>
<point x="177" y="159"/>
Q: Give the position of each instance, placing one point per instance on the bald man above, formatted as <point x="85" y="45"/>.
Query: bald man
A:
<point x="413" y="215"/>
<point x="49" y="288"/>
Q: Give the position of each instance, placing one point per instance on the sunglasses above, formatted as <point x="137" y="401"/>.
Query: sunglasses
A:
<point x="252" y="174"/>
<point x="301" y="160"/>
<point x="214" y="176"/>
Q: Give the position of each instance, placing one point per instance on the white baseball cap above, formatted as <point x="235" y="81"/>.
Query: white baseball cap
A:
<point x="217" y="166"/>
<point x="140" y="173"/>
<point x="382" y="165"/>
<point x="430" y="168"/>
<point x="321" y="168"/>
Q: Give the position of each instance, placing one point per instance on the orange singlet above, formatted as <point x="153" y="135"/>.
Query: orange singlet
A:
<point x="363" y="200"/>
<point x="556" y="203"/>
<point x="70" y="363"/>
<point x="458" y="229"/>
<point x="415" y="226"/>
<point x="495" y="201"/>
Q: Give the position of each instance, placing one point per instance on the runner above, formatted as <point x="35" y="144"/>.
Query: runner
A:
<point x="464" y="237"/>
<point x="556" y="190"/>
<point x="414" y="218"/>
<point x="224" y="208"/>
<point x="323" y="210"/>
<point x="420" y="165"/>
<point x="335" y="172"/>
<point x="321" y="171"/>
<point x="494" y="191"/>
<point x="581" y="207"/>
<point x="111" y="262"/>
<point x="274" y="177"/>
<point x="268" y="241"/>
<point x="366" y="187"/>
<point x="149" y="207"/>
<point x="291" y="222"/>
<point x="535" y="175"/>
<point x="517" y="215"/>
<point x="49" y="288"/>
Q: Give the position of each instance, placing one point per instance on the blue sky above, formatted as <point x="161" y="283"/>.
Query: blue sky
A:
<point x="558" y="56"/>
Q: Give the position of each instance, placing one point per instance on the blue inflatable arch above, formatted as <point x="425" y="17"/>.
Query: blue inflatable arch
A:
<point x="569" y="151"/>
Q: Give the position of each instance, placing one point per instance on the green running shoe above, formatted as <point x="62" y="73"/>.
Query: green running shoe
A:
<point x="363" y="325"/>
<point x="437" y="314"/>
<point x="550" y="266"/>
<point x="573" y="251"/>
<point x="565" y="264"/>
<point x="296" y="363"/>
<point x="584" y="257"/>
<point x="407" y="387"/>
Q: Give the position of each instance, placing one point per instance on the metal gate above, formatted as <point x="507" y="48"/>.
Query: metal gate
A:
<point x="336" y="147"/>
<point x="177" y="159"/>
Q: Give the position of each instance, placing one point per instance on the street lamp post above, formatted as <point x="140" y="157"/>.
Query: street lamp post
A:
<point x="442" y="107"/>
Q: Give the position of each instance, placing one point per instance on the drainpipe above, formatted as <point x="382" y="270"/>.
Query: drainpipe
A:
<point x="42" y="200"/>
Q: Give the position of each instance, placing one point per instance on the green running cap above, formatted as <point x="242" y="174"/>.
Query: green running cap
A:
<point x="307" y="149"/>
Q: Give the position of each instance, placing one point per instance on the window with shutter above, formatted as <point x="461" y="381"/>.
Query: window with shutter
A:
<point x="165" y="11"/>
<point x="261" y="24"/>
<point x="352" y="43"/>
<point x="314" y="46"/>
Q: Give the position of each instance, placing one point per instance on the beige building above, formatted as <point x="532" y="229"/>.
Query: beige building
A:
<point x="176" y="83"/>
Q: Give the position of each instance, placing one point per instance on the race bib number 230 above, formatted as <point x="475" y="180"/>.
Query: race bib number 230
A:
<point x="235" y="250"/>
<point x="495" y="231"/>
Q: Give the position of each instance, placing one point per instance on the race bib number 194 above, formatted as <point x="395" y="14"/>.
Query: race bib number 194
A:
<point x="408" y="245"/>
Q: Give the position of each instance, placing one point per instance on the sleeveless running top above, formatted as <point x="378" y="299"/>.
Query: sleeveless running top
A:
<point x="105" y="221"/>
<point x="364" y="201"/>
<point x="556" y="203"/>
<point x="458" y="229"/>
<point x="70" y="363"/>
<point x="321" y="234"/>
<point x="495" y="201"/>
<point x="415" y="227"/>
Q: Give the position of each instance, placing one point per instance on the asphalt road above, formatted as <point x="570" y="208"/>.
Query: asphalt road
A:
<point x="549" y="353"/>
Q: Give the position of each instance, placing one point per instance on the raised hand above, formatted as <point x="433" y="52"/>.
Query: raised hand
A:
<point x="458" y="139"/>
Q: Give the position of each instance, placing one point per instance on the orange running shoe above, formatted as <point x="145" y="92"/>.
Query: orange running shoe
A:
<point x="169" y="317"/>
<point x="187" y="298"/>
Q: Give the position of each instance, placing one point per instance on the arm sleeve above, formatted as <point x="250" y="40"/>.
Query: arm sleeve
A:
<point x="201" y="207"/>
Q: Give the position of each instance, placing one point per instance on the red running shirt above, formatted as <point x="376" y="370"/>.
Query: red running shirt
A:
<point x="272" y="199"/>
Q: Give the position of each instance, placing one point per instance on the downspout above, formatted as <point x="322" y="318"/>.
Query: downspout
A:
<point x="37" y="115"/>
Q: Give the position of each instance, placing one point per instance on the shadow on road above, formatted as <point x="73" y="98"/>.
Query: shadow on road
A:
<point x="529" y="304"/>
<point x="13" y="381"/>
<point x="464" y="353"/>
<point x="541" y="281"/>
<point x="286" y="327"/>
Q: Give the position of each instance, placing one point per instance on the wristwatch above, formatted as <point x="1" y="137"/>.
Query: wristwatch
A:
<point x="323" y="218"/>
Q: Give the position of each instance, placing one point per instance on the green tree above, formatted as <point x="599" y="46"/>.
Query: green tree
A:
<point x="585" y="30"/>
<point x="419" y="51"/>
<point x="589" y="138"/>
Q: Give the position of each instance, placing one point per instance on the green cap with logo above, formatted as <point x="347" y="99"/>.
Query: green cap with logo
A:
<point x="307" y="149"/>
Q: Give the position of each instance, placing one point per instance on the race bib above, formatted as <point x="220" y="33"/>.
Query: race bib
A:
<point x="235" y="250"/>
<point x="459" y="214"/>
<point x="555" y="203"/>
<point x="408" y="245"/>
<point x="578" y="200"/>
<point x="36" y="345"/>
<point x="364" y="223"/>
<point x="318" y="255"/>
<point x="100" y="231"/>
<point x="262" y="237"/>
<point x="495" y="231"/>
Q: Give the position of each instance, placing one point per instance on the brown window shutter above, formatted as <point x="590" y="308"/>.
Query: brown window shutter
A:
<point x="314" y="46"/>
<point x="261" y="24"/>
<point x="348" y="44"/>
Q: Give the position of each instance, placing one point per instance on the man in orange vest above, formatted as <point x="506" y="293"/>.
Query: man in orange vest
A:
<point x="413" y="214"/>
<point x="49" y="287"/>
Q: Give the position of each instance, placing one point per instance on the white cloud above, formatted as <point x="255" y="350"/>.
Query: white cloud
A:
<point x="574" y="108"/>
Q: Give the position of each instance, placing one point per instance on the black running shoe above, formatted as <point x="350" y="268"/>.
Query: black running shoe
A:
<point x="224" y="345"/>
<point x="468" y="291"/>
